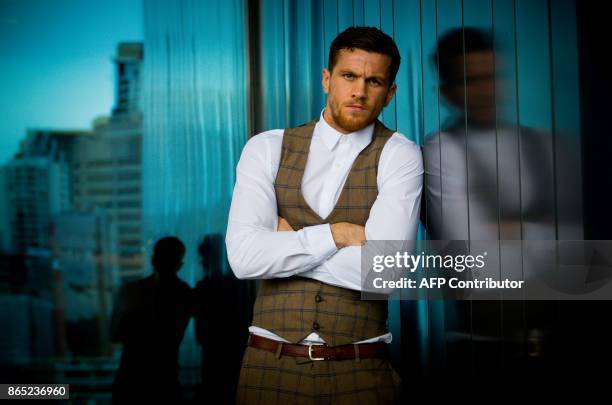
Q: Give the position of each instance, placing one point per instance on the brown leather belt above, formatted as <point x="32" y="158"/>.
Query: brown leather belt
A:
<point x="320" y="351"/>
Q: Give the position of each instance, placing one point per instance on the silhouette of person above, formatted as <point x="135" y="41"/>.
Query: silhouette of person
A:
<point x="150" y="318"/>
<point x="222" y="310"/>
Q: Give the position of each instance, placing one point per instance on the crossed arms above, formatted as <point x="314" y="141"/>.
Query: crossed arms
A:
<point x="261" y="245"/>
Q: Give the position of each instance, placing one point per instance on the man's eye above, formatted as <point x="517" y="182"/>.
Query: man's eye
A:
<point x="349" y="76"/>
<point x="374" y="82"/>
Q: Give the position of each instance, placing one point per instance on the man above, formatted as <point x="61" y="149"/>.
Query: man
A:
<point x="305" y="199"/>
<point x="150" y="318"/>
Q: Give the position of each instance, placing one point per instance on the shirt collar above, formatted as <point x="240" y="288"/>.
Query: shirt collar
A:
<point x="331" y="136"/>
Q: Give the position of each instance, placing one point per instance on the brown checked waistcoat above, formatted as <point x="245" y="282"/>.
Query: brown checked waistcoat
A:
<point x="294" y="307"/>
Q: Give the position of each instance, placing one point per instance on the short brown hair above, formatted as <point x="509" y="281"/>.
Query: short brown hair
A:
<point x="369" y="39"/>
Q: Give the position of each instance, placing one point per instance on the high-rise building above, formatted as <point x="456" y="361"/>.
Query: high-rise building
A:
<point x="36" y="185"/>
<point x="107" y="165"/>
<point x="107" y="175"/>
<point x="56" y="144"/>
<point x="128" y="64"/>
<point x="37" y="189"/>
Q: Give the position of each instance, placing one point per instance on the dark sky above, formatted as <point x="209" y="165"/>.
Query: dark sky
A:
<point x="56" y="69"/>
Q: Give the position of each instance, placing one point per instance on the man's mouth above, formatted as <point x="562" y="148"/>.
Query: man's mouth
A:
<point x="356" y="107"/>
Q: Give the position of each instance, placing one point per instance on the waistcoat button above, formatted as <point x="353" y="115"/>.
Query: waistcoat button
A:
<point x="315" y="326"/>
<point x="318" y="298"/>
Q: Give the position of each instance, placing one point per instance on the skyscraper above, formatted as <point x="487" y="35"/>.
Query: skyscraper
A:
<point x="128" y="64"/>
<point x="36" y="189"/>
<point x="107" y="166"/>
<point x="38" y="186"/>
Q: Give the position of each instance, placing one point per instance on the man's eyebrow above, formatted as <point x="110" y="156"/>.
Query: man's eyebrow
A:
<point x="345" y="70"/>
<point x="377" y="77"/>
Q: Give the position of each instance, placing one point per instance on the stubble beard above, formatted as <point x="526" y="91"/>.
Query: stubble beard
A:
<point x="348" y="122"/>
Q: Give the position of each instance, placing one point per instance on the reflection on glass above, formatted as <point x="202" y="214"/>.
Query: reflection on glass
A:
<point x="489" y="177"/>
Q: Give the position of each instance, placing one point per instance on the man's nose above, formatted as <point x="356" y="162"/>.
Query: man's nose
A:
<point x="359" y="89"/>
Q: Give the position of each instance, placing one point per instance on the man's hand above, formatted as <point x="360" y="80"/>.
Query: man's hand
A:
<point x="283" y="225"/>
<point x="347" y="234"/>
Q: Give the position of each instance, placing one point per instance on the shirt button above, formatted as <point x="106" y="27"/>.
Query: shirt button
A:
<point x="315" y="326"/>
<point x="318" y="298"/>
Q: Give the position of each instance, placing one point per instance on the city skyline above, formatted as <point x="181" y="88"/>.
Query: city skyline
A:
<point x="58" y="66"/>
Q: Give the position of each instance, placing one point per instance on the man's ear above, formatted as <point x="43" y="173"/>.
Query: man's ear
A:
<point x="325" y="80"/>
<point x="390" y="94"/>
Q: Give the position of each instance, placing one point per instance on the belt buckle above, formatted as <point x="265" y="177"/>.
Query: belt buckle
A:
<point x="310" y="351"/>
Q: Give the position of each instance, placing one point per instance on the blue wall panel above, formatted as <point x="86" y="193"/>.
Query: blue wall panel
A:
<point x="195" y="125"/>
<point x="197" y="70"/>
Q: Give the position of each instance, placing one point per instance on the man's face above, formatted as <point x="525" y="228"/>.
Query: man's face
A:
<point x="357" y="89"/>
<point x="474" y="92"/>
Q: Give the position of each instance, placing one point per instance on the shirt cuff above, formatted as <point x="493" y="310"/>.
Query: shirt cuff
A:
<point x="318" y="241"/>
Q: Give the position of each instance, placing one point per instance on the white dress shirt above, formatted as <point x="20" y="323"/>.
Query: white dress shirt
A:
<point x="257" y="251"/>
